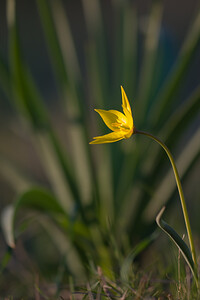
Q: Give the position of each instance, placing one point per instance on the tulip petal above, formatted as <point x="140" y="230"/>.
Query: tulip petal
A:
<point x="126" y="108"/>
<point x="129" y="117"/>
<point x="111" y="117"/>
<point x="125" y="102"/>
<point x="109" y="138"/>
<point x="121" y="124"/>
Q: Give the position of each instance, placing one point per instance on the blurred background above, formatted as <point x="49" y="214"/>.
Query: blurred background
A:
<point x="58" y="61"/>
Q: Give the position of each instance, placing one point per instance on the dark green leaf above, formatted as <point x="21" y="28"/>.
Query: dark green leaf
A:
<point x="178" y="241"/>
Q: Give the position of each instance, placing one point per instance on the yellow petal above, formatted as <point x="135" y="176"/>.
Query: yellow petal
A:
<point x="125" y="101"/>
<point x="126" y="107"/>
<point x="111" y="117"/>
<point x="109" y="138"/>
<point x="129" y="117"/>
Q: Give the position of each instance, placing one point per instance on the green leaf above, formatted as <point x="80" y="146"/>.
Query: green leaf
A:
<point x="178" y="241"/>
<point x="39" y="199"/>
<point x="36" y="198"/>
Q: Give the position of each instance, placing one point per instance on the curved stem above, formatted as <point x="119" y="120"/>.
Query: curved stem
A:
<point x="180" y="190"/>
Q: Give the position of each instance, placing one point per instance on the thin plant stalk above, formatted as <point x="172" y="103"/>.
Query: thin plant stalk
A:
<point x="180" y="190"/>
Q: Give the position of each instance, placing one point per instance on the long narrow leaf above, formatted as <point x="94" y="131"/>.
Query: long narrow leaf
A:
<point x="178" y="241"/>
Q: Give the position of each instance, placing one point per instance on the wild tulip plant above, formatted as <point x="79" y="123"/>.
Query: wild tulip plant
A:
<point x="123" y="127"/>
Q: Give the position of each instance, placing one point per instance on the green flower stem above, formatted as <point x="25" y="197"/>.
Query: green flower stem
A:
<point x="178" y="182"/>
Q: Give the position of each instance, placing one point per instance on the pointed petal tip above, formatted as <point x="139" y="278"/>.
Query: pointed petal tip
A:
<point x="98" y="110"/>
<point x="94" y="141"/>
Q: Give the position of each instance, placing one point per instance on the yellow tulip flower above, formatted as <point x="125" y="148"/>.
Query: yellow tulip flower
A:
<point x="120" y="123"/>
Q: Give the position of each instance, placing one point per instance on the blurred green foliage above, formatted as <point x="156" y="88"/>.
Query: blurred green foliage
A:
<point x="100" y="201"/>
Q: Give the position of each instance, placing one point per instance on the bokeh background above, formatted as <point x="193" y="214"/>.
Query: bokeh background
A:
<point x="104" y="44"/>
